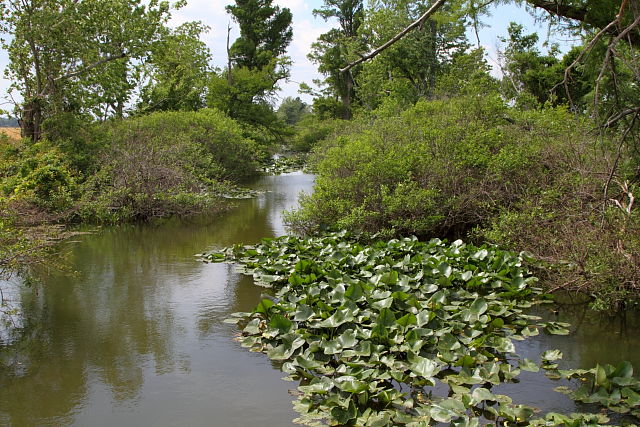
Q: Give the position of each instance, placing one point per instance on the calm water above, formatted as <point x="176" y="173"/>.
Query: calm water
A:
<point x="135" y="337"/>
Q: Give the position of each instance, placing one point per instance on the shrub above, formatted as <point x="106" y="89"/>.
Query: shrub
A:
<point x="166" y="163"/>
<point x="38" y="174"/>
<point x="440" y="168"/>
<point x="310" y="130"/>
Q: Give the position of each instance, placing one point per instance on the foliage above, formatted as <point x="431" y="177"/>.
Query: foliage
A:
<point x="245" y="95"/>
<point x="613" y="387"/>
<point x="586" y="245"/>
<point x="421" y="172"/>
<point x="311" y="130"/>
<point x="265" y="33"/>
<point x="292" y="110"/>
<point x="245" y="90"/>
<point x="400" y="332"/>
<point x="334" y="49"/>
<point x="76" y="57"/>
<point x="166" y="163"/>
<point x="409" y="69"/>
<point x="38" y="174"/>
<point x="177" y="71"/>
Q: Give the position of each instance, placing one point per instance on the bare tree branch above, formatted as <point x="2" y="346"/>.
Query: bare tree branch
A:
<point x="417" y="23"/>
<point x="613" y="120"/>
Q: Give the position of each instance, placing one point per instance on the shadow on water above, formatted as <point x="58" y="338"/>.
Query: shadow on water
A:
<point x="135" y="336"/>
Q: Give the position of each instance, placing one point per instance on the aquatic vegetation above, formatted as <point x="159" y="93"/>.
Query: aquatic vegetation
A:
<point x="402" y="332"/>
<point x="284" y="164"/>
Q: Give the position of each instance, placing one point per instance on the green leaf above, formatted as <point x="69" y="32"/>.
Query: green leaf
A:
<point x="424" y="367"/>
<point x="355" y="292"/>
<point x="337" y="319"/>
<point x="407" y="320"/>
<point x="264" y="306"/>
<point x="528" y="365"/>
<point x="347" y="339"/>
<point x="303" y="313"/>
<point x="350" y="384"/>
<point x="281" y="323"/>
<point x="386" y="317"/>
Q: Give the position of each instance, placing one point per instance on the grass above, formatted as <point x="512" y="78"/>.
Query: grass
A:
<point x="13" y="133"/>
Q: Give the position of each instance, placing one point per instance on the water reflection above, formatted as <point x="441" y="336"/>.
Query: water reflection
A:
<point x="136" y="336"/>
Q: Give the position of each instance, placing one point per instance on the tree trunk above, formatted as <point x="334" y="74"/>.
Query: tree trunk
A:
<point x="31" y="120"/>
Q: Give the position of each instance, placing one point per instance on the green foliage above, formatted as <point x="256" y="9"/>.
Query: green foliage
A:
<point x="37" y="173"/>
<point x="292" y="110"/>
<point x="178" y="71"/>
<point x="311" y="130"/>
<point x="395" y="333"/>
<point x="408" y="70"/>
<point x="265" y="32"/>
<point x="333" y="50"/>
<point x="467" y="73"/>
<point x="166" y="163"/>
<point x="421" y="172"/>
<point x="528" y="74"/>
<point x="77" y="56"/>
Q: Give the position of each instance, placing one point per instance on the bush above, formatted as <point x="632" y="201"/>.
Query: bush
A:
<point x="38" y="174"/>
<point x="310" y="130"/>
<point x="438" y="169"/>
<point x="166" y="163"/>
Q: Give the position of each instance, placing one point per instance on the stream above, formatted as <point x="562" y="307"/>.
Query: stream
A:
<point x="135" y="337"/>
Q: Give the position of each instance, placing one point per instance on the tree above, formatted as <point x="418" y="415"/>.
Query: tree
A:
<point x="291" y="110"/>
<point x="336" y="48"/>
<point x="256" y="64"/>
<point x="265" y="32"/>
<point x="177" y="71"/>
<point x="71" y="56"/>
<point x="408" y="70"/>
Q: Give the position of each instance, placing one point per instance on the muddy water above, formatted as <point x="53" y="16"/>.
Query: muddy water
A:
<point x="135" y="337"/>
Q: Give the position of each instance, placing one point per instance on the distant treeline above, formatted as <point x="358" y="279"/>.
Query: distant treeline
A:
<point x="8" y="123"/>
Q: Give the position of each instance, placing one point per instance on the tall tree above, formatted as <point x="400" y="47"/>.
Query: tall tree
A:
<point x="76" y="55"/>
<point x="265" y="32"/>
<point x="177" y="71"/>
<point x="335" y="48"/>
<point x="256" y="64"/>
<point x="409" y="69"/>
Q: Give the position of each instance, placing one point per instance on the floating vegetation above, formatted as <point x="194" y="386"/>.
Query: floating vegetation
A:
<point x="239" y="193"/>
<point x="397" y="333"/>
<point x="281" y="164"/>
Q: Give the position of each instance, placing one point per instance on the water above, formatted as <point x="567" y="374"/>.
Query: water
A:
<point x="136" y="338"/>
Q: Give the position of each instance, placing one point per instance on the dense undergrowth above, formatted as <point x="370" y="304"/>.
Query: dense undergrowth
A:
<point x="472" y="167"/>
<point x="139" y="168"/>
<point x="404" y="332"/>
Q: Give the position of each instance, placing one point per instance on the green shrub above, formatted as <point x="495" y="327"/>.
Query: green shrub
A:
<point x="38" y="174"/>
<point x="310" y="130"/>
<point x="166" y="163"/>
<point x="438" y="169"/>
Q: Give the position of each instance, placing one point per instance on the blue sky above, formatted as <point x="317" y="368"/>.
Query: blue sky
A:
<point x="306" y="29"/>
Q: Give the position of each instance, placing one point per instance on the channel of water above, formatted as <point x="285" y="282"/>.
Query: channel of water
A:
<point x="136" y="336"/>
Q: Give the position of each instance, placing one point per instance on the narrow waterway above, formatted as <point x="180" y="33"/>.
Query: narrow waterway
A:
<point x="136" y="336"/>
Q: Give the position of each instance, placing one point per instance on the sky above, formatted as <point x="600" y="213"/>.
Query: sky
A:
<point x="306" y="29"/>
